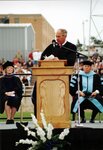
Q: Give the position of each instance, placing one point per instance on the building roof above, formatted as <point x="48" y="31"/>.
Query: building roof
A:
<point x="18" y="25"/>
<point x="15" y="25"/>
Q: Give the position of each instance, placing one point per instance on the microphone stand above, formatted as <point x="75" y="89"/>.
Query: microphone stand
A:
<point x="79" y="124"/>
<point x="77" y="53"/>
<point x="77" y="56"/>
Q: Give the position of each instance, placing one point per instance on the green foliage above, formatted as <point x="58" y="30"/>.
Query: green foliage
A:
<point x="94" y="40"/>
<point x="26" y="116"/>
<point x="79" y="46"/>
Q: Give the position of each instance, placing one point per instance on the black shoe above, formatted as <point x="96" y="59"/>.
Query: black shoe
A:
<point x="92" y="121"/>
<point x="83" y="121"/>
<point x="10" y="121"/>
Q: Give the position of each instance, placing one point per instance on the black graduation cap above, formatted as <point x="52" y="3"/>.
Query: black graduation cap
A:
<point x="87" y="62"/>
<point x="7" y="64"/>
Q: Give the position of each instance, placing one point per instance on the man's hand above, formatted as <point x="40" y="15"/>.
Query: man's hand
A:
<point x="81" y="93"/>
<point x="94" y="94"/>
<point x="12" y="93"/>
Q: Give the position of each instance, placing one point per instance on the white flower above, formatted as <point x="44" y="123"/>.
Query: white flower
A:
<point x="40" y="131"/>
<point x="28" y="131"/>
<point x="48" y="128"/>
<point x="25" y="127"/>
<point x="49" y="131"/>
<point x="43" y="120"/>
<point x="41" y="134"/>
<point x="64" y="133"/>
<point x="27" y="141"/>
<point x="34" y="120"/>
<point x="31" y="133"/>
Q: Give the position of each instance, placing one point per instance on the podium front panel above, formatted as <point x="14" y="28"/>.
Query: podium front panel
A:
<point x="53" y="99"/>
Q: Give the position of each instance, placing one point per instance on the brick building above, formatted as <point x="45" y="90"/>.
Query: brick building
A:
<point x="44" y="32"/>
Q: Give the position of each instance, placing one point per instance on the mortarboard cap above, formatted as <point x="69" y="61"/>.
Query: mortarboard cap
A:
<point x="7" y="64"/>
<point x="87" y="62"/>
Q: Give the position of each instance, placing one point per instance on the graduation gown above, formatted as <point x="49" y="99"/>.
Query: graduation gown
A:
<point x="64" y="52"/>
<point x="67" y="52"/>
<point x="10" y="83"/>
<point x="88" y="83"/>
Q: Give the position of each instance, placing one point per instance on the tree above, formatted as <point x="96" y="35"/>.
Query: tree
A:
<point x="79" y="46"/>
<point x="94" y="40"/>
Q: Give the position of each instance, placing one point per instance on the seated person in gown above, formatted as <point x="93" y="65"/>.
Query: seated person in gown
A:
<point x="90" y="93"/>
<point x="10" y="92"/>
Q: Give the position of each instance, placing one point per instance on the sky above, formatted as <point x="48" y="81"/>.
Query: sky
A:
<point x="73" y="15"/>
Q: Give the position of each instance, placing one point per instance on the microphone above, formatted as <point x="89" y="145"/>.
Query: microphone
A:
<point x="54" y="42"/>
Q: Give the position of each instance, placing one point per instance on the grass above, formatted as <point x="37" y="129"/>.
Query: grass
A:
<point x="88" y="113"/>
<point x="26" y="116"/>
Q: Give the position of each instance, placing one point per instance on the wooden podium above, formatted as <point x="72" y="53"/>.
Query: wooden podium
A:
<point x="53" y="92"/>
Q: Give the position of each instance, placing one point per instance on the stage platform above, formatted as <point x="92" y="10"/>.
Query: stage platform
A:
<point x="96" y="125"/>
<point x="88" y="136"/>
<point x="74" y="124"/>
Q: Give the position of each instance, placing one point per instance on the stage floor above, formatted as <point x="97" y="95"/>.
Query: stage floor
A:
<point x="88" y="136"/>
<point x="97" y="124"/>
<point x="4" y="126"/>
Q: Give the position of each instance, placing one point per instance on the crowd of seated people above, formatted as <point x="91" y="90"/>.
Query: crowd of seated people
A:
<point x="22" y="68"/>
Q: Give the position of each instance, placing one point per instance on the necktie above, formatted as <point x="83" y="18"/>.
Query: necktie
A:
<point x="60" y="45"/>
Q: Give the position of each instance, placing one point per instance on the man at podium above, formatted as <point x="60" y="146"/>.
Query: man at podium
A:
<point x="61" y="48"/>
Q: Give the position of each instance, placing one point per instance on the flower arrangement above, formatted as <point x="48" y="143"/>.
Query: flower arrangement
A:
<point x="44" y="138"/>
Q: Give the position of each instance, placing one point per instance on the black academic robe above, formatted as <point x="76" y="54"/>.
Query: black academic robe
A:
<point x="88" y="83"/>
<point x="10" y="83"/>
<point x="67" y="52"/>
<point x="101" y="76"/>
